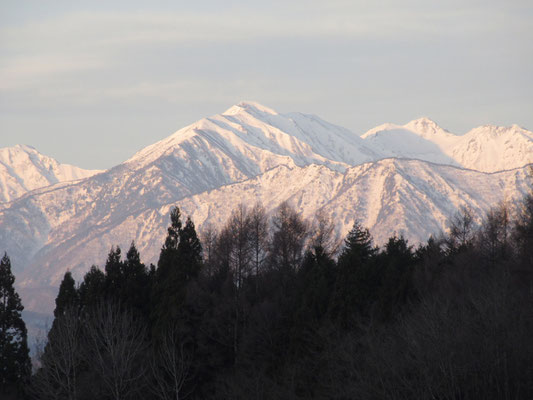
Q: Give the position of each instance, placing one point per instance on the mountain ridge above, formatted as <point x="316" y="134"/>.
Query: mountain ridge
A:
<point x="23" y="168"/>
<point x="487" y="148"/>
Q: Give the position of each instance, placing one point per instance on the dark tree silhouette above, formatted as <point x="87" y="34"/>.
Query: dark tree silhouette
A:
<point x="15" y="367"/>
<point x="68" y="297"/>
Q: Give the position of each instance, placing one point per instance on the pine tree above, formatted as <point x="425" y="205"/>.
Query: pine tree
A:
<point x="92" y="289"/>
<point x="358" y="247"/>
<point x="60" y="360"/>
<point x="190" y="250"/>
<point x="397" y="267"/>
<point x="356" y="276"/>
<point x="67" y="297"/>
<point x="135" y="290"/>
<point x="114" y="273"/>
<point x="316" y="280"/>
<point x="179" y="263"/>
<point x="15" y="365"/>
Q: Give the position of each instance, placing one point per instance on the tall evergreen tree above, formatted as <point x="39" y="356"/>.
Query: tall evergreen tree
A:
<point x="397" y="267"/>
<point x="190" y="250"/>
<point x="61" y="357"/>
<point x="358" y="247"/>
<point x="114" y="273"/>
<point x="357" y="276"/>
<point x="67" y="297"/>
<point x="316" y="280"/>
<point x="92" y="289"/>
<point x="179" y="263"/>
<point x="15" y="365"/>
<point x="135" y="291"/>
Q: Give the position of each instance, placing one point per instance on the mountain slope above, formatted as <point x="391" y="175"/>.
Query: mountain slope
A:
<point x="410" y="197"/>
<point x="251" y="139"/>
<point x="420" y="139"/>
<point x="494" y="148"/>
<point x="22" y="169"/>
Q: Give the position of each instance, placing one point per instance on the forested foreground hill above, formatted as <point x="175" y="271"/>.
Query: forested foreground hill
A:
<point x="279" y="311"/>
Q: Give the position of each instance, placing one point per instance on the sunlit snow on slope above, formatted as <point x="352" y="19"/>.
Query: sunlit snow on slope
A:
<point x="22" y="169"/>
<point x="487" y="148"/>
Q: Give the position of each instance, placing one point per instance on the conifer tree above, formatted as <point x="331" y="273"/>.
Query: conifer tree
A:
<point x="15" y="365"/>
<point x="396" y="287"/>
<point x="315" y="279"/>
<point x="431" y="261"/>
<point x="356" y="276"/>
<point x="358" y="246"/>
<point x="190" y="250"/>
<point x="114" y="273"/>
<point x="61" y="357"/>
<point x="67" y="297"/>
<point x="179" y="263"/>
<point x="135" y="291"/>
<point x="92" y="289"/>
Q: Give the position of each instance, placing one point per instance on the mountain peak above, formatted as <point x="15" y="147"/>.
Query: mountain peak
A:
<point x="20" y="148"/>
<point x="380" y="128"/>
<point x="25" y="147"/>
<point x="249" y="106"/>
<point x="425" y="123"/>
<point x="23" y="168"/>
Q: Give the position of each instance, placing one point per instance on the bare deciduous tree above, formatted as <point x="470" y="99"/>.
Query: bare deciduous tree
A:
<point x="289" y="238"/>
<point x="116" y="342"/>
<point x="324" y="235"/>
<point x="494" y="234"/>
<point x="239" y="229"/>
<point x="258" y="236"/>
<point x="461" y="229"/>
<point x="171" y="366"/>
<point x="209" y="238"/>
<point x="60" y="359"/>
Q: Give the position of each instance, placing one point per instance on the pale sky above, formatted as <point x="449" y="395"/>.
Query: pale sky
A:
<point x="91" y="83"/>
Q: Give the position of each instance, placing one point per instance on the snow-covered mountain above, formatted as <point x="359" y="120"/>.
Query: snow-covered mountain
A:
<point x="22" y="169"/>
<point x="248" y="139"/>
<point x="251" y="153"/>
<point x="486" y="148"/>
<point x="494" y="148"/>
<point x="243" y="142"/>
<point x="411" y="197"/>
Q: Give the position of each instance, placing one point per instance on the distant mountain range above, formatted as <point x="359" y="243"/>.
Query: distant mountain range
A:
<point x="487" y="148"/>
<point x="23" y="169"/>
<point x="406" y="179"/>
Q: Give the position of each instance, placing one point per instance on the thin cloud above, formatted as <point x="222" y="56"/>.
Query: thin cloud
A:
<point x="84" y="42"/>
<point x="97" y="30"/>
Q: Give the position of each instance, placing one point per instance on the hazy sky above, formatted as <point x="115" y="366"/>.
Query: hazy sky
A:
<point x="92" y="82"/>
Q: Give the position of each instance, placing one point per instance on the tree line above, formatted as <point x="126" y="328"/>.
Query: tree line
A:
<point x="277" y="308"/>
